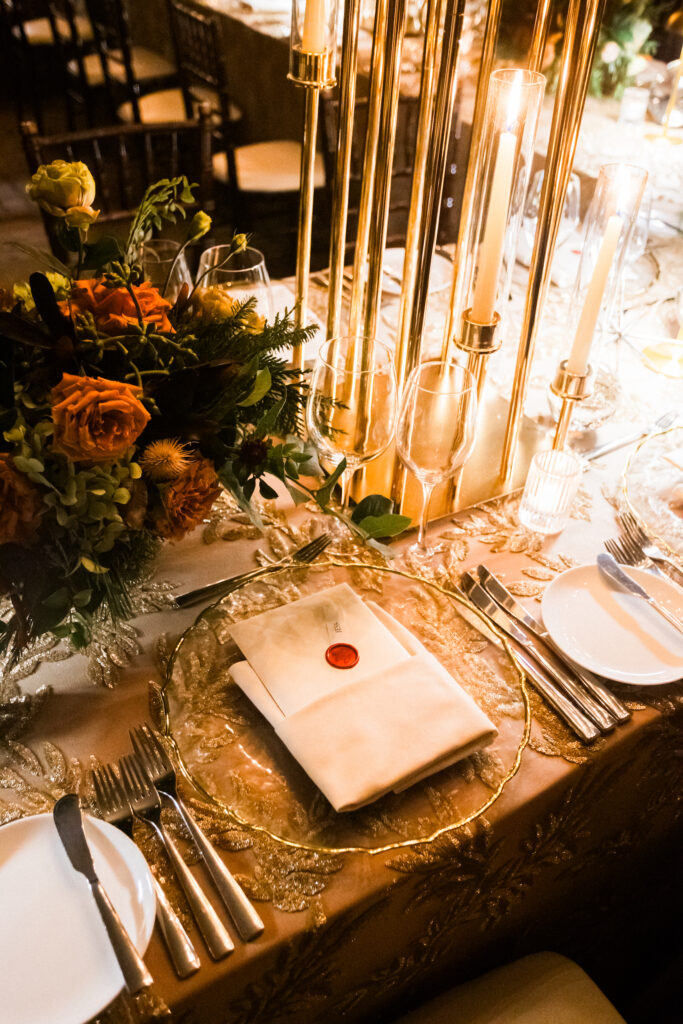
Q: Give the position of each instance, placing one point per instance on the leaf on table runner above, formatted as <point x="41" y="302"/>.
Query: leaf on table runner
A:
<point x="524" y="588"/>
<point x="24" y="758"/>
<point x="56" y="763"/>
<point x="539" y="574"/>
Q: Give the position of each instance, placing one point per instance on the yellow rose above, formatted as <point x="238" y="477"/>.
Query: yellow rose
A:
<point x="214" y="303"/>
<point x="253" y="322"/>
<point x="65" y="190"/>
<point x="199" y="225"/>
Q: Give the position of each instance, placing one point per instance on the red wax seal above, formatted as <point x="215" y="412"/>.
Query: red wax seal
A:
<point x="341" y="656"/>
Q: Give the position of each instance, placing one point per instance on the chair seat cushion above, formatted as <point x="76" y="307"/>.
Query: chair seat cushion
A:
<point x="38" y="31"/>
<point x="147" y="66"/>
<point x="167" y="105"/>
<point x="545" y="988"/>
<point x="268" y="167"/>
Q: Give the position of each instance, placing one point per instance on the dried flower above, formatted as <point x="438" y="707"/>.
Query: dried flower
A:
<point x="165" y="459"/>
<point x="96" y="420"/>
<point x="187" y="499"/>
<point x="21" y="505"/>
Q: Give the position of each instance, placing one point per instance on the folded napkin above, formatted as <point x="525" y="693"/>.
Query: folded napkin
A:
<point x="394" y="718"/>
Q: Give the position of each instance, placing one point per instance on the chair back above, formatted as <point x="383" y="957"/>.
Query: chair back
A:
<point x="111" y="32"/>
<point x="200" y="57"/>
<point x="402" y="167"/>
<point x="126" y="159"/>
<point x="72" y="50"/>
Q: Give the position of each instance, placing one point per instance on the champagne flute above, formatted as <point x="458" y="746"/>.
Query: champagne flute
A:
<point x="242" y="274"/>
<point x="436" y="425"/>
<point x="351" y="408"/>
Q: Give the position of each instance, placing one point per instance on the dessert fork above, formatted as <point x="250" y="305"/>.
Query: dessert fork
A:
<point x="113" y="806"/>
<point x="626" y="553"/>
<point x="146" y="805"/>
<point x="305" y="554"/>
<point x="151" y="753"/>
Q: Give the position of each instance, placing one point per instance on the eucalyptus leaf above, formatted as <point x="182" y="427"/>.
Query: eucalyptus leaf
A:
<point x="384" y="526"/>
<point x="372" y="505"/>
<point x="259" y="390"/>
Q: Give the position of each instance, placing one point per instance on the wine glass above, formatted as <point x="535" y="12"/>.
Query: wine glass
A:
<point x="351" y="408"/>
<point x="158" y="256"/>
<point x="436" y="424"/>
<point x="242" y="274"/>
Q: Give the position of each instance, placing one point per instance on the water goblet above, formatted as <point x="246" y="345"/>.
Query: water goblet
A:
<point x="436" y="426"/>
<point x="243" y="275"/>
<point x="352" y="401"/>
<point x="164" y="268"/>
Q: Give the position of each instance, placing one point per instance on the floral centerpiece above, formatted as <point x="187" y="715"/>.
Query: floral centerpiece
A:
<point x="123" y="417"/>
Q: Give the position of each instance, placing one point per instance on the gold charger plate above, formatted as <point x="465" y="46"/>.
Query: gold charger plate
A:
<point x="233" y="758"/>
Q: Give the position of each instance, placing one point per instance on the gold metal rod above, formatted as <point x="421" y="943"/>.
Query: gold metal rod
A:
<point x="472" y="175"/>
<point x="442" y="118"/>
<point x="581" y="35"/>
<point x="539" y="39"/>
<point x="386" y="138"/>
<point x="365" y="211"/>
<point x="342" y="171"/>
<point x="429" y="62"/>
<point x="303" y="255"/>
<point x="563" y="421"/>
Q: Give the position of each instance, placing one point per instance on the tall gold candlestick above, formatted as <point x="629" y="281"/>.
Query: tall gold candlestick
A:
<point x="342" y="171"/>
<point x="580" y="40"/>
<point x="311" y="65"/>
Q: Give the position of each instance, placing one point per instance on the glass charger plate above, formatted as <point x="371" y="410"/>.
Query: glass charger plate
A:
<point x="649" y="480"/>
<point x="234" y="759"/>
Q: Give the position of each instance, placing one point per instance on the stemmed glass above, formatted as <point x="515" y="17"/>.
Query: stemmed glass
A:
<point x="159" y="260"/>
<point x="351" y="409"/>
<point x="242" y="274"/>
<point x="436" y="425"/>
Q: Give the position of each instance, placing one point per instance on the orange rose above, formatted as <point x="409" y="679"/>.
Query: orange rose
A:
<point x="113" y="309"/>
<point x="187" y="499"/>
<point x="20" y="505"/>
<point x="96" y="420"/>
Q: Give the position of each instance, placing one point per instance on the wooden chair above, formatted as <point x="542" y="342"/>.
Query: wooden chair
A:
<point x="401" y="173"/>
<point x="265" y="168"/>
<point x="125" y="160"/>
<point x="124" y="70"/>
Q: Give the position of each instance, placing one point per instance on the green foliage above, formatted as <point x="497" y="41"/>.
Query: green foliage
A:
<point x="164" y="201"/>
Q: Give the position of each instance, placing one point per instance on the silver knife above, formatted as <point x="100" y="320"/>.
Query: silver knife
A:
<point x="67" y="818"/>
<point x="558" y="701"/>
<point x="595" y="686"/>
<point x="557" y="672"/>
<point x="613" y="571"/>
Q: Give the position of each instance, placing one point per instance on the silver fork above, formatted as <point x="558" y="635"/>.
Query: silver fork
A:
<point x="635" y="533"/>
<point x="305" y="554"/>
<point x="146" y="804"/>
<point x="113" y="806"/>
<point x="153" y="756"/>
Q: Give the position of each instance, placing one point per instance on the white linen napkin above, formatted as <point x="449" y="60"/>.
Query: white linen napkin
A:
<point x="392" y="719"/>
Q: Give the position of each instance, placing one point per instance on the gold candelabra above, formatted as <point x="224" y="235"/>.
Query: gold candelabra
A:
<point x="570" y="388"/>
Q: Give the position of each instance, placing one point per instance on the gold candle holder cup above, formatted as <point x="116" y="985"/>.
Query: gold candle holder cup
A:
<point x="570" y="388"/>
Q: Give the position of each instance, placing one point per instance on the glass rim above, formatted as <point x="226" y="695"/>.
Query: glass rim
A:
<point x="356" y="337"/>
<point x="570" y="461"/>
<point x="238" y="252"/>
<point x="453" y="365"/>
<point x="527" y="79"/>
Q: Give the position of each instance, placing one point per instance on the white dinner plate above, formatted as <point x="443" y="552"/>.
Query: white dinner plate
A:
<point x="611" y="632"/>
<point x="440" y="277"/>
<point x="57" y="964"/>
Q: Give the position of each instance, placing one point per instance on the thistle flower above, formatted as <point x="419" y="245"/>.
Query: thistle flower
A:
<point x="165" y="459"/>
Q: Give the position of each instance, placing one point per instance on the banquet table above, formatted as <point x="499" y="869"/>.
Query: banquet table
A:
<point x="350" y="934"/>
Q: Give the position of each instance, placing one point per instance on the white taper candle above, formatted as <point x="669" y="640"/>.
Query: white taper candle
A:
<point x="314" y="38"/>
<point x="491" y="248"/>
<point x="583" y="339"/>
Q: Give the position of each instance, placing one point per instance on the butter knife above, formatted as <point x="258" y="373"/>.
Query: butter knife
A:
<point x="592" y="683"/>
<point x="610" y="568"/>
<point x="69" y="823"/>
<point x="565" y="708"/>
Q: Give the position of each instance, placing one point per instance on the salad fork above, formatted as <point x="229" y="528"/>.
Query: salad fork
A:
<point x="146" y="805"/>
<point x="151" y="753"/>
<point x="113" y="806"/>
<point x="627" y="553"/>
<point x="635" y="533"/>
